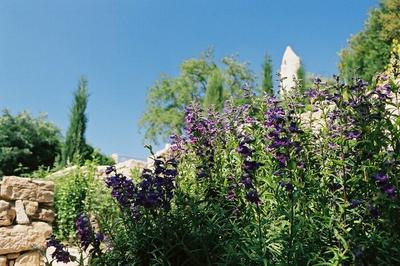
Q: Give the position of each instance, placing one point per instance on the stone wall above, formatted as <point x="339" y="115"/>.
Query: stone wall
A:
<point x="25" y="220"/>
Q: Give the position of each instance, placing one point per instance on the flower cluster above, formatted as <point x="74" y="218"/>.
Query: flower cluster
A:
<point x="382" y="180"/>
<point x="155" y="190"/>
<point x="203" y="133"/>
<point x="86" y="235"/>
<point x="249" y="167"/>
<point x="60" y="253"/>
<point x="280" y="130"/>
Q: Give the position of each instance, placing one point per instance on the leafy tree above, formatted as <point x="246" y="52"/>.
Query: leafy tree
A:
<point x="168" y="97"/>
<point x="267" y="83"/>
<point x="75" y="143"/>
<point x="214" y="92"/>
<point x="368" y="51"/>
<point x="27" y="143"/>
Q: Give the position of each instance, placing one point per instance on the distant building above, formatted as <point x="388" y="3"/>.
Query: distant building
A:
<point x="290" y="65"/>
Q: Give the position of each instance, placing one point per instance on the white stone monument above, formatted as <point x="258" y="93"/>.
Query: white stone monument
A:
<point x="289" y="67"/>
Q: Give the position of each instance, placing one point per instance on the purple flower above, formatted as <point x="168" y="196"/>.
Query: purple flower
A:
<point x="353" y="134"/>
<point x="84" y="230"/>
<point x="60" y="254"/>
<point x="384" y="92"/>
<point x="231" y="195"/>
<point x="244" y="150"/>
<point x="390" y="191"/>
<point x="252" y="196"/>
<point x="110" y="169"/>
<point x="381" y="178"/>
<point x="246" y="181"/>
<point x="355" y="203"/>
<point x="250" y="165"/>
<point x="288" y="186"/>
<point x="374" y="211"/>
<point x="282" y="159"/>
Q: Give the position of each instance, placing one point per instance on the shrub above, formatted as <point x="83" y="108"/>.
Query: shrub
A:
<point x="271" y="181"/>
<point x="26" y="143"/>
<point x="76" y="193"/>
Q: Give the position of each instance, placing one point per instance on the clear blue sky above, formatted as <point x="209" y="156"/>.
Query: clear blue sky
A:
<point x="123" y="46"/>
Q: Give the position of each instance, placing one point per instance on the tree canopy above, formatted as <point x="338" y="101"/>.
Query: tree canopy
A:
<point x="368" y="51"/>
<point x="267" y="82"/>
<point x="26" y="143"/>
<point x="168" y="97"/>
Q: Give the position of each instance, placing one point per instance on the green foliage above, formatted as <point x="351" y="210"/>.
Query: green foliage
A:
<point x="368" y="52"/>
<point x="167" y="99"/>
<point x="214" y="92"/>
<point x="302" y="79"/>
<point x="275" y="183"/>
<point x="77" y="192"/>
<point x="26" y="143"/>
<point x="75" y="144"/>
<point x="267" y="82"/>
<point x="70" y="195"/>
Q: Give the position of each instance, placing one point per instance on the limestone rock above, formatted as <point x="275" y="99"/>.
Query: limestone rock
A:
<point x="7" y="214"/>
<point x="7" y="217"/>
<point x="22" y="218"/>
<point x="31" y="258"/>
<point x="3" y="261"/>
<point x="14" y="188"/>
<point x="289" y="67"/>
<point x="4" y="205"/>
<point x="24" y="237"/>
<point x="31" y="207"/>
<point x="12" y="256"/>
<point x="46" y="215"/>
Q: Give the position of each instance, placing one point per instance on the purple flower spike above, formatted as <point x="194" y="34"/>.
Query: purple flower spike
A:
<point x="381" y="178"/>
<point x="110" y="169"/>
<point x="252" y="196"/>
<point x="60" y="253"/>
<point x="390" y="190"/>
<point x="353" y="134"/>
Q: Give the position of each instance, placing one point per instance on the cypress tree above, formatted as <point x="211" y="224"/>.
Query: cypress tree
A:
<point x="267" y="83"/>
<point x="214" y="92"/>
<point x="75" y="144"/>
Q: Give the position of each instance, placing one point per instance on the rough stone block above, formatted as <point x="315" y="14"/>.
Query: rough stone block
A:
<point x="7" y="217"/>
<point x="31" y="258"/>
<point x="46" y="215"/>
<point x="12" y="256"/>
<point x="31" y="207"/>
<point x="22" y="218"/>
<point x="20" y="238"/>
<point x="3" y="261"/>
<point x="44" y="196"/>
<point x="4" y="205"/>
<point x="14" y="188"/>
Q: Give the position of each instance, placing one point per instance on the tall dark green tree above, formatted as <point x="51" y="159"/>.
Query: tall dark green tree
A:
<point x="267" y="83"/>
<point x="75" y="146"/>
<point x="368" y="51"/>
<point x="214" y="97"/>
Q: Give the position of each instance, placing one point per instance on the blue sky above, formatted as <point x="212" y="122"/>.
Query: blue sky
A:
<point x="123" y="46"/>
